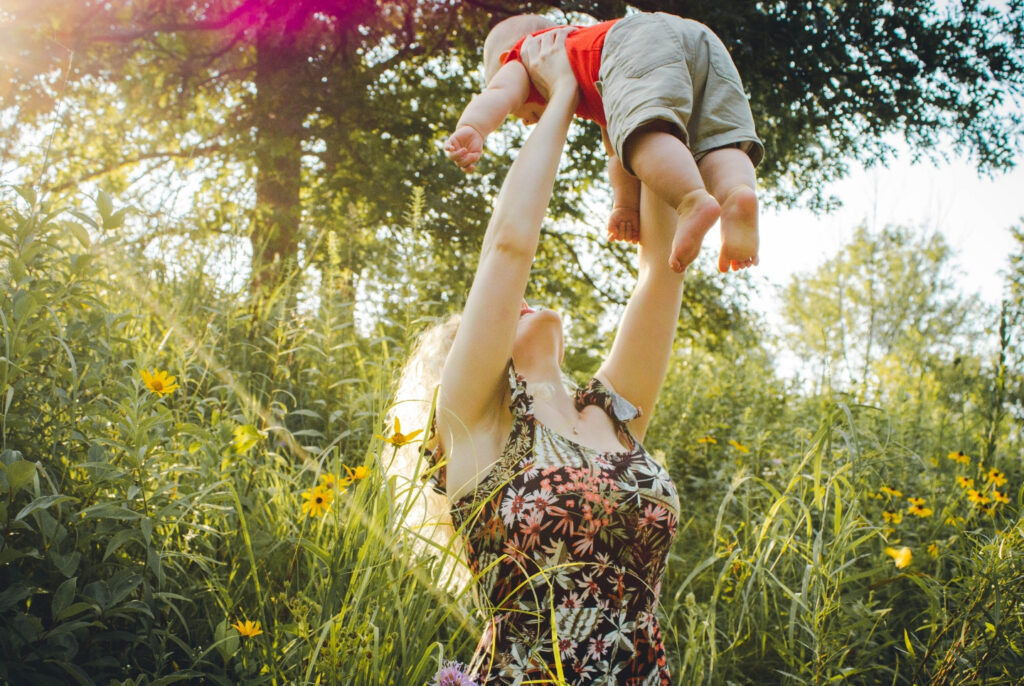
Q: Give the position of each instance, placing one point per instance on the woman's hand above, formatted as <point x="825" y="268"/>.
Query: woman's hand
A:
<point x="547" y="63"/>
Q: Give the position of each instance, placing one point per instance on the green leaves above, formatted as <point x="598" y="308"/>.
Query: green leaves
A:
<point x="109" y="219"/>
<point x="226" y="640"/>
<point x="18" y="474"/>
<point x="245" y="437"/>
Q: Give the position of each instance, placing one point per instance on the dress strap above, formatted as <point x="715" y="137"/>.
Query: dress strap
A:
<point x="436" y="475"/>
<point x="614" y="405"/>
<point x="520" y="401"/>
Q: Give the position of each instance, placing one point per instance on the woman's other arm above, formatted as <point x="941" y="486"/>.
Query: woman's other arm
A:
<point x="472" y="381"/>
<point x="636" y="366"/>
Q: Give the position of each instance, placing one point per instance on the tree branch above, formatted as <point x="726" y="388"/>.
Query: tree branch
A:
<point x="142" y="157"/>
<point x="560" y="237"/>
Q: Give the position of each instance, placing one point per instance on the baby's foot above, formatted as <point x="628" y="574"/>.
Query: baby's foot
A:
<point x="697" y="213"/>
<point x="739" y="230"/>
<point x="624" y="224"/>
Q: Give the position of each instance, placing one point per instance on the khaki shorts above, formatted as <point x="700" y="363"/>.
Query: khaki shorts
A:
<point x="663" y="67"/>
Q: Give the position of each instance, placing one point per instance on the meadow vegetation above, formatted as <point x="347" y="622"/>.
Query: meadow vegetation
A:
<point x="191" y="481"/>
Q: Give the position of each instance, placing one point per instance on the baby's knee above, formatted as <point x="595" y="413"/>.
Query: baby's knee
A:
<point x="647" y="134"/>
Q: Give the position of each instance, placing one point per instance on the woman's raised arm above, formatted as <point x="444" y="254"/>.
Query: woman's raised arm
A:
<point x="636" y="366"/>
<point x="471" y="383"/>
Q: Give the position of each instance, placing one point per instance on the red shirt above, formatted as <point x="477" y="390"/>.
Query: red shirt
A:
<point x="584" y="49"/>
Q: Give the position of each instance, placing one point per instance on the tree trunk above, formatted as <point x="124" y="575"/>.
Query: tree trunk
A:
<point x="278" y="118"/>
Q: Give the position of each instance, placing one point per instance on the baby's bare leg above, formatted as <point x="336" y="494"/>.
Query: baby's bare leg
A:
<point x="666" y="166"/>
<point x="729" y="175"/>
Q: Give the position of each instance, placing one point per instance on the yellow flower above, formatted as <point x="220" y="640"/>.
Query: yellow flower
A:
<point x="739" y="446"/>
<point x="159" y="382"/>
<point x="891" y="491"/>
<point x="329" y="481"/>
<point x="318" y="501"/>
<point x="999" y="497"/>
<point x="953" y="521"/>
<point x="976" y="497"/>
<point x="959" y="457"/>
<point x="919" y="511"/>
<point x="901" y="557"/>
<point x="964" y="482"/>
<point x="933" y="550"/>
<point x="707" y="439"/>
<point x="892" y="517"/>
<point x="995" y="477"/>
<point x="916" y="501"/>
<point x="247" y="628"/>
<point x="360" y="472"/>
<point x="397" y="438"/>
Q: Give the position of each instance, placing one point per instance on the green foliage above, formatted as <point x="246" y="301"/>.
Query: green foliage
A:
<point x="289" y="117"/>
<point x="888" y="298"/>
<point x="783" y="577"/>
<point x="139" y="526"/>
<point x="146" y="519"/>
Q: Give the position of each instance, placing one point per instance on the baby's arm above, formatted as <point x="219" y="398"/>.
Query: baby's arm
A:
<point x="624" y="221"/>
<point x="506" y="92"/>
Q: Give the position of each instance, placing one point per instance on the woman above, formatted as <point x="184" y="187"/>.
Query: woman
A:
<point x="566" y="520"/>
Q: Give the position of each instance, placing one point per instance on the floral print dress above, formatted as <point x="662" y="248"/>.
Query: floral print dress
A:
<point x="569" y="536"/>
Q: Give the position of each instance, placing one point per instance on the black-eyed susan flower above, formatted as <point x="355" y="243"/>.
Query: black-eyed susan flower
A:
<point x="977" y="497"/>
<point x="247" y="628"/>
<point x="901" y="556"/>
<point x="318" y="501"/>
<point x="159" y="382"/>
<point x="964" y="482"/>
<point x="960" y="457"/>
<point x="739" y="446"/>
<point x="995" y="477"/>
<point x="397" y="438"/>
<point x="1000" y="497"/>
<point x="920" y="511"/>
<point x="710" y="440"/>
<point x="330" y="482"/>
<point x="891" y="492"/>
<point x="933" y="549"/>
<point x="892" y="517"/>
<point x="916" y="501"/>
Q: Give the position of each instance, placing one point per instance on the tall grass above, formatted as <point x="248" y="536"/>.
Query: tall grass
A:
<point x="139" y="527"/>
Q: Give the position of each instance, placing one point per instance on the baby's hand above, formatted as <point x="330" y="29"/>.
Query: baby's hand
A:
<point x="624" y="225"/>
<point x="464" y="147"/>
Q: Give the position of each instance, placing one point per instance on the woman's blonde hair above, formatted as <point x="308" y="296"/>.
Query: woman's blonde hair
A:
<point x="424" y="514"/>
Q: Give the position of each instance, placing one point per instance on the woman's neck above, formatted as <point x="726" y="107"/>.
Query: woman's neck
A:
<point x="545" y="382"/>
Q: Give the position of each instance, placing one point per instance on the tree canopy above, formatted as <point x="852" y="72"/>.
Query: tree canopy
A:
<point x="278" y="119"/>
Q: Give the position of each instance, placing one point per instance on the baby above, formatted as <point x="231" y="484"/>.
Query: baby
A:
<point x="672" y="112"/>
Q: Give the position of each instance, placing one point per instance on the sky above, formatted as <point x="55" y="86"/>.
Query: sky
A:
<point x="973" y="213"/>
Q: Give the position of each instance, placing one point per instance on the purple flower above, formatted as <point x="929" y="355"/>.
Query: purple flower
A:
<point x="451" y="674"/>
